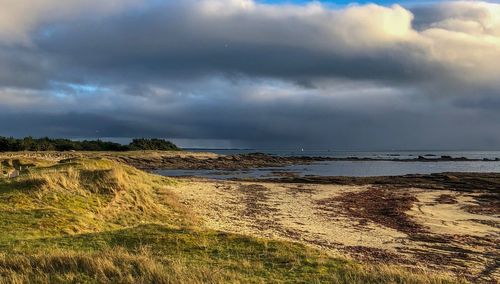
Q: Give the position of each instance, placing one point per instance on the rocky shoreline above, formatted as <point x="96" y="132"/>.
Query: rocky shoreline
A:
<point x="460" y="182"/>
<point x="259" y="160"/>
<point x="157" y="160"/>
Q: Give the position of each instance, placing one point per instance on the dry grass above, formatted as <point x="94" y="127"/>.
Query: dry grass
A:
<point x="110" y="266"/>
<point x="55" y="156"/>
<point x="85" y="195"/>
<point x="121" y="266"/>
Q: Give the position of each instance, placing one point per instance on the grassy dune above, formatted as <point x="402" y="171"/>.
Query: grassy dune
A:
<point x="98" y="221"/>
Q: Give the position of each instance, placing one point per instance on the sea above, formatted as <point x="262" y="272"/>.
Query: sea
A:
<point x="376" y="167"/>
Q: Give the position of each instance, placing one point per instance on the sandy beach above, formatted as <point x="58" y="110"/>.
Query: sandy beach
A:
<point x="437" y="229"/>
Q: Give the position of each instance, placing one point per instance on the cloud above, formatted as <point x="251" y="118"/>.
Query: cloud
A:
<point x="242" y="37"/>
<point x="240" y="70"/>
<point x="457" y="42"/>
<point x="21" y="17"/>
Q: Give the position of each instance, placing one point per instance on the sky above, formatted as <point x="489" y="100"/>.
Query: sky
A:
<point x="375" y="75"/>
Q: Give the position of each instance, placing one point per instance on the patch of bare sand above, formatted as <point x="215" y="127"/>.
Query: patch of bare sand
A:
<point x="282" y="211"/>
<point x="434" y="230"/>
<point x="450" y="217"/>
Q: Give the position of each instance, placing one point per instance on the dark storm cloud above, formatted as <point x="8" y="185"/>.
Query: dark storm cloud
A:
<point x="163" y="46"/>
<point x="253" y="74"/>
<point x="65" y="125"/>
<point x="280" y="123"/>
<point x="23" y="67"/>
<point x="190" y="38"/>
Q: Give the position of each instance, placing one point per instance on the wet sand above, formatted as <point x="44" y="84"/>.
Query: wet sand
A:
<point x="416" y="226"/>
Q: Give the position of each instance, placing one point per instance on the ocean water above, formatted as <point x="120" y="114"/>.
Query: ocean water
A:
<point x="355" y="168"/>
<point x="359" y="154"/>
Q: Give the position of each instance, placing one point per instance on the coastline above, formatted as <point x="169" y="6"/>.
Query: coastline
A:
<point x="200" y="161"/>
<point x="157" y="160"/>
<point x="448" y="222"/>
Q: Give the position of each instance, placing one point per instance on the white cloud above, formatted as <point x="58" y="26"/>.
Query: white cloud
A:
<point x="464" y="40"/>
<point x="18" y="18"/>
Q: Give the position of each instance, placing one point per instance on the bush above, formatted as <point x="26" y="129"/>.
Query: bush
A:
<point x="152" y="144"/>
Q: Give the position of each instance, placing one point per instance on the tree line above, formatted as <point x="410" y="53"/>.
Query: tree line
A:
<point x="10" y="144"/>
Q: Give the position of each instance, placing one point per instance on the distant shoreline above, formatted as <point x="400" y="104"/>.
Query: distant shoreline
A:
<point x="165" y="160"/>
<point x="260" y="160"/>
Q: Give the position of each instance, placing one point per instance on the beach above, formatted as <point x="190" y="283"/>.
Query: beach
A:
<point x="437" y="228"/>
<point x="435" y="224"/>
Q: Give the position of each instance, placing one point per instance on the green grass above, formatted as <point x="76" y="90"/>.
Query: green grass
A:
<point x="98" y="221"/>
